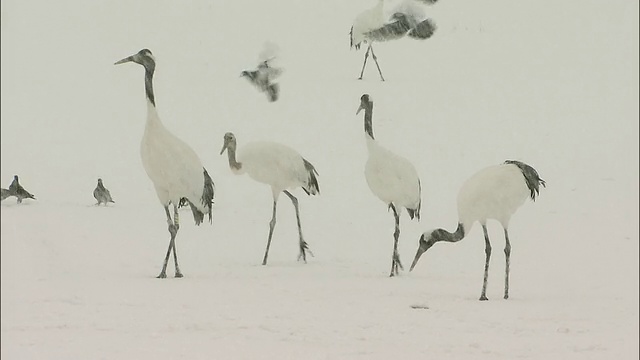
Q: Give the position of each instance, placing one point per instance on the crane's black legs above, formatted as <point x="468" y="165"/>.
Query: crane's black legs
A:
<point x="395" y="260"/>
<point x="272" y="225"/>
<point x="303" y="244"/>
<point x="507" y="254"/>
<point x="487" y="252"/>
<point x="176" y="222"/>
<point x="173" y="230"/>
<point x="366" y="55"/>
<point x="376" y="60"/>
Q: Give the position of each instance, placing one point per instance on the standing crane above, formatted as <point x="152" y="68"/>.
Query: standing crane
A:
<point x="407" y="19"/>
<point x="278" y="166"/>
<point x="173" y="167"/>
<point x="495" y="192"/>
<point x="392" y="178"/>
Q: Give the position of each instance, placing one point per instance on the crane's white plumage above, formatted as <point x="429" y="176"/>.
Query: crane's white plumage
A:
<point x="274" y="164"/>
<point x="174" y="168"/>
<point x="172" y="165"/>
<point x="495" y="192"/>
<point x="280" y="167"/>
<point x="366" y="21"/>
<point x="392" y="178"/>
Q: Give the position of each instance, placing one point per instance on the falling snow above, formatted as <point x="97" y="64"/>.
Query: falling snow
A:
<point x="552" y="84"/>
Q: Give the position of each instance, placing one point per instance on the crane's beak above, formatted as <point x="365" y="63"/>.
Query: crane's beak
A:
<point x="416" y="258"/>
<point x="424" y="246"/>
<point x="224" y="147"/>
<point x="127" y="59"/>
<point x="360" y="108"/>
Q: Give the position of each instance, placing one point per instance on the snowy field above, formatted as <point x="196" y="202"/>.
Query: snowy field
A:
<point x="550" y="83"/>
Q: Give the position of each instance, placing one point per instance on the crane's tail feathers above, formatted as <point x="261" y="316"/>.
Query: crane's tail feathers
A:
<point x="423" y="30"/>
<point x="531" y="177"/>
<point x="312" y="187"/>
<point x="206" y="200"/>
<point x="415" y="213"/>
<point x="207" y="193"/>
<point x="351" y="44"/>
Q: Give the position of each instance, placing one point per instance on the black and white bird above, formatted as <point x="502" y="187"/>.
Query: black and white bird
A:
<point x="407" y="19"/>
<point x="15" y="189"/>
<point x="495" y="192"/>
<point x="102" y="194"/>
<point x="173" y="167"/>
<point x="392" y="178"/>
<point x="278" y="166"/>
<point x="263" y="78"/>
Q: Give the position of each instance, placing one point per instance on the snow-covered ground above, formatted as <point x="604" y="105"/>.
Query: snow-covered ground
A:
<point x="554" y="84"/>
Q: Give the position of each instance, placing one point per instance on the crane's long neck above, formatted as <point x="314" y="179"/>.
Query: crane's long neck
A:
<point x="368" y="118"/>
<point x="456" y="236"/>
<point x="148" y="85"/>
<point x="233" y="164"/>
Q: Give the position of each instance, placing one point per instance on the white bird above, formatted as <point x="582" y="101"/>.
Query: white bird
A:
<point x="174" y="168"/>
<point x="278" y="166"/>
<point x="392" y="178"/>
<point x="102" y="194"/>
<point x="495" y="192"/>
<point x="371" y="25"/>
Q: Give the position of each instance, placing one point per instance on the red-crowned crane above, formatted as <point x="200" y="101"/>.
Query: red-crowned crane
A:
<point x="495" y="192"/>
<point x="392" y="178"/>
<point x="407" y="19"/>
<point x="278" y="166"/>
<point x="173" y="167"/>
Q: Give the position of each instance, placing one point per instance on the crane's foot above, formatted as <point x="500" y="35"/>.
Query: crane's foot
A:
<point x="395" y="264"/>
<point x="506" y="296"/>
<point x="483" y="297"/>
<point x="162" y="275"/>
<point x="304" y="248"/>
<point x="178" y="272"/>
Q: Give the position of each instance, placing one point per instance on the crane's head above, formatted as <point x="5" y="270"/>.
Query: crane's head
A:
<point x="427" y="239"/>
<point x="365" y="102"/>
<point x="143" y="57"/>
<point x="229" y="142"/>
<point x="99" y="181"/>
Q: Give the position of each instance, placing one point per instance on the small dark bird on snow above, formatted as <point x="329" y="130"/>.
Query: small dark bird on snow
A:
<point x="102" y="194"/>
<point x="15" y="189"/>
<point x="263" y="78"/>
<point x="5" y="193"/>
